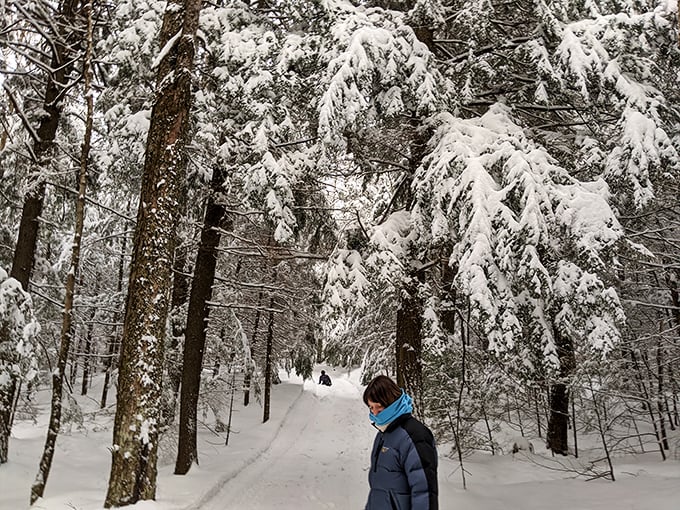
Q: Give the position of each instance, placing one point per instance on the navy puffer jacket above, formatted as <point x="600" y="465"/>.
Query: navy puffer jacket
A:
<point x="403" y="472"/>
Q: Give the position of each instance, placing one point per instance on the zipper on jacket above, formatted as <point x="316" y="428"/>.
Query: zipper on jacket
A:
<point x="393" y="502"/>
<point x="377" y="453"/>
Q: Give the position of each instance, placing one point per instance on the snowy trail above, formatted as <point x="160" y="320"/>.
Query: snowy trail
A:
<point x="319" y="458"/>
<point x="312" y="454"/>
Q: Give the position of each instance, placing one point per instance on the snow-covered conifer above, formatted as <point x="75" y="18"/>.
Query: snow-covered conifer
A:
<point x="18" y="359"/>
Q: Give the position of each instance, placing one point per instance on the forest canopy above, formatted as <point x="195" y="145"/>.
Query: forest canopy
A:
<point x="477" y="198"/>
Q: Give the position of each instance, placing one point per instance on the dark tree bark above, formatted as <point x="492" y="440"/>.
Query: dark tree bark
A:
<point x="113" y="340"/>
<point x="63" y="45"/>
<point x="111" y="351"/>
<point x="408" y="342"/>
<point x="673" y="282"/>
<point x="196" y="325"/>
<point x="173" y="357"/>
<point x="558" y="424"/>
<point x="268" y="360"/>
<point x="87" y="356"/>
<point x="73" y="365"/>
<point x="409" y="348"/>
<point x="24" y="253"/>
<point x="8" y="392"/>
<point x="135" y="436"/>
<point x="559" y="419"/>
<point x="661" y="390"/>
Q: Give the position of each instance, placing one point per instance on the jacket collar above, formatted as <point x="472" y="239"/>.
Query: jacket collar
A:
<point x="389" y="427"/>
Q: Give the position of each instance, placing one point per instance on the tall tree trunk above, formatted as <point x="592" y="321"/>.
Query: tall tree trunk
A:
<point x="250" y="364"/>
<point x="8" y="391"/>
<point x="558" y="424"/>
<point x="410" y="312"/>
<point x="113" y="340"/>
<point x="661" y="390"/>
<point x="135" y="436"/>
<point x="111" y="351"/>
<point x="173" y="357"/>
<point x="673" y="281"/>
<point x="5" y="132"/>
<point x="24" y="252"/>
<point x="38" y="487"/>
<point x="409" y="342"/>
<point x="268" y="360"/>
<point x="87" y="359"/>
<point x="196" y="325"/>
<point x="73" y="365"/>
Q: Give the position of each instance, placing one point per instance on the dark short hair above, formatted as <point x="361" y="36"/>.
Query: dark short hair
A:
<point x="382" y="390"/>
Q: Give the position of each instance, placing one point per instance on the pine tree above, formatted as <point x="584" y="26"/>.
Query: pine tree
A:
<point x="197" y="323"/>
<point x="592" y="83"/>
<point x="134" y="454"/>
<point x="512" y="222"/>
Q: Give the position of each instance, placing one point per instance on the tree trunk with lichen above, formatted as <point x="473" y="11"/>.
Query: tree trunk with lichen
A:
<point x="135" y="436"/>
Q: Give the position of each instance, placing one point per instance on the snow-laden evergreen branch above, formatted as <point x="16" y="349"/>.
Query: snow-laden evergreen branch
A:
<point x="18" y="331"/>
<point x="520" y="227"/>
<point x="376" y="68"/>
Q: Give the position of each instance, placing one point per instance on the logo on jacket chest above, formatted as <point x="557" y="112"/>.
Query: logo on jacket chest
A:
<point x="384" y="449"/>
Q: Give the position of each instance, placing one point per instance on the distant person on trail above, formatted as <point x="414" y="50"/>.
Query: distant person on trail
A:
<point x="325" y="379"/>
<point x="403" y="471"/>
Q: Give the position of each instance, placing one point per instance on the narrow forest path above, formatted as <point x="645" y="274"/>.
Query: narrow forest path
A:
<point x="318" y="459"/>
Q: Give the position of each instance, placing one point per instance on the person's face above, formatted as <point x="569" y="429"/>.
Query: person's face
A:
<point x="375" y="407"/>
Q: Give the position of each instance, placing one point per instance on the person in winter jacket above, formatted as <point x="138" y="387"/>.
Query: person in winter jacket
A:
<point x="403" y="473"/>
<point x="325" y="379"/>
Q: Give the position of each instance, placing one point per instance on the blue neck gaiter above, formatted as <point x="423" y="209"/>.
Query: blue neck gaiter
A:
<point x="402" y="405"/>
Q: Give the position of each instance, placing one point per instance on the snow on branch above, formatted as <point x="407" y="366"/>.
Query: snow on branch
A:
<point x="514" y="217"/>
<point x="166" y="49"/>
<point x="376" y="67"/>
<point x="18" y="331"/>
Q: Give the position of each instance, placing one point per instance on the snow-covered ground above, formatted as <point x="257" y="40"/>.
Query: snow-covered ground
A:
<point x="312" y="454"/>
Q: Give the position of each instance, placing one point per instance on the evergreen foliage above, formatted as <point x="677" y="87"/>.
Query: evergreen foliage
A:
<point x="505" y="172"/>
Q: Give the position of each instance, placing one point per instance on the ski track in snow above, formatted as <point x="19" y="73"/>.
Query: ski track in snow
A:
<point x="280" y="476"/>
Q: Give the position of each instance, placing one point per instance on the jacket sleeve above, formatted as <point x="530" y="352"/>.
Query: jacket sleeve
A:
<point x="420" y="465"/>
